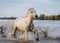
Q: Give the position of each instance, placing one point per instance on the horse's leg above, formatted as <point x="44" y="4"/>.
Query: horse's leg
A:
<point x="36" y="34"/>
<point x="21" y="32"/>
<point x="26" y="35"/>
<point x="14" y="32"/>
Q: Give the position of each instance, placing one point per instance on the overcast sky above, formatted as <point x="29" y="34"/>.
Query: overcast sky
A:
<point x="18" y="7"/>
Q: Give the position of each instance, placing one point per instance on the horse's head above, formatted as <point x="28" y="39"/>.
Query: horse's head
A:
<point x="32" y="13"/>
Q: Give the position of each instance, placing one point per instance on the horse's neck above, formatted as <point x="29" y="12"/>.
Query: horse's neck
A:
<point x="30" y="19"/>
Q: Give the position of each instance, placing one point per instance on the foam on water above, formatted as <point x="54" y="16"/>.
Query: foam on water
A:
<point x="52" y="27"/>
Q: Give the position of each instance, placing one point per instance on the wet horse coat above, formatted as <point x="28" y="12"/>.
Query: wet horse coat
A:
<point x="24" y="24"/>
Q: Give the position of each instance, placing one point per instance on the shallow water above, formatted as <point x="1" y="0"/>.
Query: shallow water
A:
<point x="45" y="40"/>
<point x="48" y="24"/>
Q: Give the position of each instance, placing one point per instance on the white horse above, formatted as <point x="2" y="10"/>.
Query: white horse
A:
<point x="24" y="24"/>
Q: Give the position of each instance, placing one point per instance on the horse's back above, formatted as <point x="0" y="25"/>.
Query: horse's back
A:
<point x="21" y="23"/>
<point x="21" y="20"/>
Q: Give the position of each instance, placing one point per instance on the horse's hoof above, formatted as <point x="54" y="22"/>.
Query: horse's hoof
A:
<point x="37" y="39"/>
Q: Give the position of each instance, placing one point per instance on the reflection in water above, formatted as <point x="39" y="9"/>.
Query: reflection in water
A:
<point x="23" y="42"/>
<point x="6" y="41"/>
<point x="45" y="40"/>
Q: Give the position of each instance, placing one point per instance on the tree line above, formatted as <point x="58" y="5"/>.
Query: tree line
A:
<point x="50" y="17"/>
<point x="40" y="17"/>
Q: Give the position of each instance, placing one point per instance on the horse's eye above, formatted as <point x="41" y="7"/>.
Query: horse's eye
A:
<point x="31" y="11"/>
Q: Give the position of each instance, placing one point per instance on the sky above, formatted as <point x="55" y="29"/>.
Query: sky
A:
<point x="18" y="8"/>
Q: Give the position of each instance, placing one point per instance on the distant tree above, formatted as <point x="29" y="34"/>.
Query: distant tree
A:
<point x="41" y="17"/>
<point x="58" y="15"/>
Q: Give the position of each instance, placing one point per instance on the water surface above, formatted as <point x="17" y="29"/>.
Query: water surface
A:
<point x="50" y="24"/>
